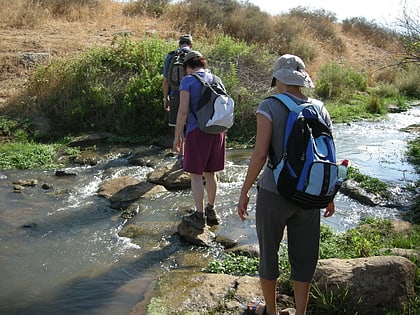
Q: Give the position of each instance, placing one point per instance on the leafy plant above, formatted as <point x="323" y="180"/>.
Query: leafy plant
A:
<point x="337" y="81"/>
<point x="234" y="265"/>
<point x="18" y="155"/>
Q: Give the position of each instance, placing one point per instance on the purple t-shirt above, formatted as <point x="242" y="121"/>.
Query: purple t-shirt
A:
<point x="192" y="85"/>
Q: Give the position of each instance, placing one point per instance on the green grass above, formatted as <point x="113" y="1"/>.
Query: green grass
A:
<point x="18" y="155"/>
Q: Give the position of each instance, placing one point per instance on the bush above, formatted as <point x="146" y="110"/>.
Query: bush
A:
<point x="369" y="31"/>
<point x="334" y="80"/>
<point x="407" y="80"/>
<point x="142" y="7"/>
<point x="106" y="89"/>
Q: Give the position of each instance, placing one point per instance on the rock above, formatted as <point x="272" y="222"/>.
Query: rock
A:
<point x="125" y="190"/>
<point x="64" y="173"/>
<point x="47" y="186"/>
<point x="111" y="187"/>
<point x="172" y="177"/>
<point x="225" y="241"/>
<point x="251" y="250"/>
<point x="31" y="59"/>
<point x="352" y="189"/>
<point x="372" y="284"/>
<point x="203" y="237"/>
<point x="18" y="188"/>
<point x="26" y="182"/>
<point x="199" y="293"/>
<point x="88" y="140"/>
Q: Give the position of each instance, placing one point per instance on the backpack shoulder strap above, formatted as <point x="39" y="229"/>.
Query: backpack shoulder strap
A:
<point x="288" y="102"/>
<point x="199" y="78"/>
<point x="293" y="107"/>
<point x="215" y="81"/>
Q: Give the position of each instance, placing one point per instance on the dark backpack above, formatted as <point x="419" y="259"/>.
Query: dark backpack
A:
<point x="307" y="173"/>
<point x="215" y="108"/>
<point x="176" y="68"/>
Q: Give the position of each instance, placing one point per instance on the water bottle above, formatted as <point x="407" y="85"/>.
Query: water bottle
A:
<point x="342" y="171"/>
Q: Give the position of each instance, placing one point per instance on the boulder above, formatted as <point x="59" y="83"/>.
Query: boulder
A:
<point x="368" y="285"/>
<point x="352" y="189"/>
<point x="124" y="191"/>
<point x="90" y="139"/>
<point x="203" y="237"/>
<point x="172" y="177"/>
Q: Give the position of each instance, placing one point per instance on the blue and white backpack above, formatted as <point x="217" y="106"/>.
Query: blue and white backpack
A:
<point x="307" y="173"/>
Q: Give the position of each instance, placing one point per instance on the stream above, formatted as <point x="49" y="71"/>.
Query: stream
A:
<point x="60" y="252"/>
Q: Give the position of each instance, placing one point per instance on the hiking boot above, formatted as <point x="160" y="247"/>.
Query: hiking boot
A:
<point x="195" y="220"/>
<point x="212" y="217"/>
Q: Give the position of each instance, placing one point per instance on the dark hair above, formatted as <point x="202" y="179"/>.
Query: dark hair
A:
<point x="196" y="63"/>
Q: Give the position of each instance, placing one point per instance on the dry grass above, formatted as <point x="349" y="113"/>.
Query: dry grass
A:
<point x="38" y="30"/>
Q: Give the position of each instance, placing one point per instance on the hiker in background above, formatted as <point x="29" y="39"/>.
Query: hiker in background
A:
<point x="273" y="212"/>
<point x="172" y="78"/>
<point x="204" y="154"/>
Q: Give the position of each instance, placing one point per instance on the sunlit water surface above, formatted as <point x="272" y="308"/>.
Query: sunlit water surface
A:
<point x="60" y="253"/>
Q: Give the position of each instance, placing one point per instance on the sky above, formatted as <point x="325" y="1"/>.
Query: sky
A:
<point x="381" y="11"/>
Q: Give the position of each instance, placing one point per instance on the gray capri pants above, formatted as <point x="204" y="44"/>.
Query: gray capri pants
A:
<point x="273" y="214"/>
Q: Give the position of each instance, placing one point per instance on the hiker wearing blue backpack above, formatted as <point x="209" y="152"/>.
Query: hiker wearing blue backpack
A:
<point x="275" y="212"/>
<point x="204" y="153"/>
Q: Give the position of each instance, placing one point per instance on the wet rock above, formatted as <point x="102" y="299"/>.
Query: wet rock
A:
<point x="201" y="293"/>
<point x="352" y="189"/>
<point x="26" y="182"/>
<point x="47" y="186"/>
<point x="124" y="191"/>
<point x="171" y="176"/>
<point x="141" y="161"/>
<point x="61" y="173"/>
<point x="89" y="140"/>
<point x="111" y="187"/>
<point x="90" y="158"/>
<point x="139" y="229"/>
<point x="31" y="226"/>
<point x="225" y="241"/>
<point x="249" y="250"/>
<point x="203" y="237"/>
<point x="18" y="188"/>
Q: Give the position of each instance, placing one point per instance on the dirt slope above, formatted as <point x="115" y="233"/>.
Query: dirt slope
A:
<point x="60" y="38"/>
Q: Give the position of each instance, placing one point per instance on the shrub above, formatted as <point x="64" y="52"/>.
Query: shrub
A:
<point x="106" y="89"/>
<point x="142" y="7"/>
<point x="369" y="31"/>
<point x="407" y="80"/>
<point x="413" y="153"/>
<point x="334" y="80"/>
<point x="249" y="23"/>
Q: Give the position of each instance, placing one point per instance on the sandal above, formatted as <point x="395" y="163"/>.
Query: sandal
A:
<point x="257" y="305"/>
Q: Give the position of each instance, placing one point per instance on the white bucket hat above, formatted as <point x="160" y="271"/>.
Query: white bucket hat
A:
<point x="290" y="70"/>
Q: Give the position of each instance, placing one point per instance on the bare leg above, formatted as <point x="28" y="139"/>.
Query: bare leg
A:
<point x="197" y="189"/>
<point x="269" y="290"/>
<point x="211" y="187"/>
<point x="301" y="296"/>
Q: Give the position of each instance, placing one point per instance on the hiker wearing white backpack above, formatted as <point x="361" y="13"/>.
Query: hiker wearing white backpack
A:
<point x="273" y="211"/>
<point x="204" y="153"/>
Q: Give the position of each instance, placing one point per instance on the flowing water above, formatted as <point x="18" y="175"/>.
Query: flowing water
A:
<point x="60" y="252"/>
